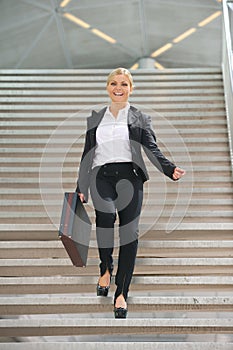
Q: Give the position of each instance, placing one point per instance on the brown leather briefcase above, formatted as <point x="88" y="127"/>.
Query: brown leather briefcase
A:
<point x="75" y="229"/>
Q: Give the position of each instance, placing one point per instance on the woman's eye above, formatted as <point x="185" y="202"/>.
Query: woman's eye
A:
<point x="124" y="84"/>
<point x="113" y="84"/>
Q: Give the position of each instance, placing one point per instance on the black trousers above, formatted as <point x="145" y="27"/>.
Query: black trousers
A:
<point x="117" y="189"/>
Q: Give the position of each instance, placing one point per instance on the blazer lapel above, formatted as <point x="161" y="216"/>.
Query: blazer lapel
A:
<point x="96" y="118"/>
<point x="133" y="115"/>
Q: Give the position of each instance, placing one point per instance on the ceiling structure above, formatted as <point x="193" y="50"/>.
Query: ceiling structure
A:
<point x="83" y="34"/>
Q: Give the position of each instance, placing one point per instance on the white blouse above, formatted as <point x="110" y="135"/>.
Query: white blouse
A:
<point x="112" y="139"/>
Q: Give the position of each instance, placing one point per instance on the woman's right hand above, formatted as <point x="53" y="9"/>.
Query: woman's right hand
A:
<point x="82" y="197"/>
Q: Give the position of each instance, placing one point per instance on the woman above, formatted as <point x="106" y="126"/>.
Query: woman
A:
<point x="113" y="167"/>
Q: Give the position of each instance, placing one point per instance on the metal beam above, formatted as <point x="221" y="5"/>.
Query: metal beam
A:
<point x="144" y="37"/>
<point x="62" y="36"/>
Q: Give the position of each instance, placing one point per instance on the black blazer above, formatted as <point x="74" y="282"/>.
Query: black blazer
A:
<point x="141" y="135"/>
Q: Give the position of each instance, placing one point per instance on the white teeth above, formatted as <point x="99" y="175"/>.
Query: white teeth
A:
<point x="118" y="94"/>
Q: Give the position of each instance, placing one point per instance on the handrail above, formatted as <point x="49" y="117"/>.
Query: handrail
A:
<point x="227" y="68"/>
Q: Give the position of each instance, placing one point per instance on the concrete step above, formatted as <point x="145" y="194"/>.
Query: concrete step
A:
<point x="74" y="303"/>
<point x="147" y="226"/>
<point x="18" y="145"/>
<point x="102" y="98"/>
<point x="30" y="159"/>
<point x="87" y="284"/>
<point x="146" y="266"/>
<point x="100" y="76"/>
<point x="155" y="202"/>
<point x="187" y="116"/>
<point x="224" y="183"/>
<point x="75" y="153"/>
<point x="148" y="217"/>
<point x="52" y="190"/>
<point x="219" y="169"/>
<point x="143" y="244"/>
<point x="156" y="205"/>
<point x="215" y="91"/>
<point x="20" y="140"/>
<point x="54" y="167"/>
<point x="74" y="107"/>
<point x="93" y="72"/>
<point x="161" y="109"/>
<point x="184" y="231"/>
<point x="53" y="196"/>
<point x="196" y="231"/>
<point x="75" y="326"/>
<point x="165" y="221"/>
<point x="139" y="345"/>
<point x="159" y="213"/>
<point x="162" y="128"/>
<point x="142" y="84"/>
<point x="46" y="181"/>
<point x="140" y="262"/>
<point x="46" y="84"/>
<point x="55" y="249"/>
<point x="162" y="219"/>
<point x="70" y="183"/>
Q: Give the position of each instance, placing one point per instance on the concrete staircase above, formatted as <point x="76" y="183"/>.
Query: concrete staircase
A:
<point x="181" y="294"/>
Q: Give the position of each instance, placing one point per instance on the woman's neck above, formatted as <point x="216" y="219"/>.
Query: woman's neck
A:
<point x="116" y="107"/>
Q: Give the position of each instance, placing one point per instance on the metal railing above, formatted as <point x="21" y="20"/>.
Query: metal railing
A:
<point x="227" y="67"/>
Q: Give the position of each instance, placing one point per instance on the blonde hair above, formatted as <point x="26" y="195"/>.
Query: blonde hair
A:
<point x="119" y="71"/>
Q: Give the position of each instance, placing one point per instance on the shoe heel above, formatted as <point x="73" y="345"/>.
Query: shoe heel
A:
<point x="120" y="312"/>
<point x="102" y="291"/>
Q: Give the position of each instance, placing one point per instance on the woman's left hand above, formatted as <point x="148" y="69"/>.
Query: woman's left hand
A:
<point x="178" y="173"/>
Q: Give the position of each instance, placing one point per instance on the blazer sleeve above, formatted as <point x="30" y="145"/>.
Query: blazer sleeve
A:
<point x="152" y="151"/>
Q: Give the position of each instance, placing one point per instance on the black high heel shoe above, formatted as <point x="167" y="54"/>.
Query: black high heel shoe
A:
<point x="102" y="291"/>
<point x="120" y="312"/>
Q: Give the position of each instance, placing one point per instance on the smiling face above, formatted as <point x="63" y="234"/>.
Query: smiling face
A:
<point x="119" y="88"/>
